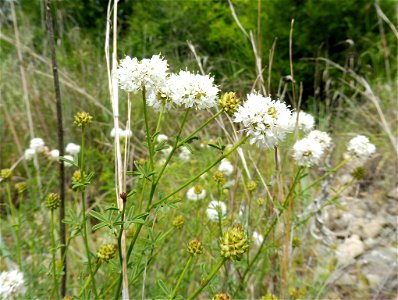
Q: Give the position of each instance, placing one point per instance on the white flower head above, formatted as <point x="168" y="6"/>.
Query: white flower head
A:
<point x="196" y="193"/>
<point x="216" y="210"/>
<point x="321" y="137"/>
<point x="29" y="154"/>
<point x="257" y="238"/>
<point x="361" y="148"/>
<point x="167" y="151"/>
<point x="133" y="74"/>
<point x="161" y="137"/>
<point x="37" y="144"/>
<point x="193" y="90"/>
<point x="12" y="284"/>
<point x="185" y="154"/>
<point x="54" y="154"/>
<point x="161" y="95"/>
<point x="69" y="157"/>
<point x="72" y="149"/>
<point x="305" y="121"/>
<point x="127" y="133"/>
<point x="120" y="131"/>
<point x="265" y="120"/>
<point x="226" y="167"/>
<point x="307" y="152"/>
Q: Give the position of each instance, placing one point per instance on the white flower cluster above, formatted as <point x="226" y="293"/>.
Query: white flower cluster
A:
<point x="264" y="119"/>
<point x="12" y="284"/>
<point x="36" y="145"/>
<point x="122" y="133"/>
<point x="257" y="238"/>
<point x="196" y="193"/>
<point x="226" y="167"/>
<point x="216" y="210"/>
<point x="361" y="148"/>
<point x="309" y="150"/>
<point x="184" y="89"/>
<point x="185" y="154"/>
<point x="305" y="121"/>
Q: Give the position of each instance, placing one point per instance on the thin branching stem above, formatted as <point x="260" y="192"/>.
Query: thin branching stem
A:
<point x="187" y="264"/>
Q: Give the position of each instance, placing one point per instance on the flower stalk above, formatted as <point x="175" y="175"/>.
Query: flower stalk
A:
<point x="187" y="264"/>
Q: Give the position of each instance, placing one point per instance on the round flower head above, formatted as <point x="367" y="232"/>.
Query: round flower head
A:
<point x="195" y="247"/>
<point x="82" y="119"/>
<point x="127" y="133"/>
<point x="54" y="154"/>
<point x="12" y="284"/>
<point x="321" y="137"/>
<point x="216" y="210"/>
<point x="234" y="243"/>
<point x="307" y="152"/>
<point x="229" y="102"/>
<point x="305" y="121"/>
<point x="265" y="120"/>
<point x="29" y="154"/>
<point x="69" y="157"/>
<point x="149" y="73"/>
<point x="37" y="145"/>
<point x="226" y="167"/>
<point x="72" y="149"/>
<point x="257" y="238"/>
<point x="178" y="221"/>
<point x="360" y="147"/>
<point x="196" y="193"/>
<point x="21" y="187"/>
<point x="106" y="252"/>
<point x="5" y="174"/>
<point x="52" y="201"/>
<point x="161" y="137"/>
<point x="185" y="154"/>
<point x="221" y="296"/>
<point x="160" y="95"/>
<point x="120" y="130"/>
<point x="193" y="90"/>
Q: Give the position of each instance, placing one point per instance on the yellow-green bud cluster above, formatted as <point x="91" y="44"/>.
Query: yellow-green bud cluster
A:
<point x="67" y="297"/>
<point x="5" y="174"/>
<point x="219" y="177"/>
<point x="234" y="243"/>
<point x="269" y="296"/>
<point x="359" y="173"/>
<point x="260" y="201"/>
<point x="251" y="185"/>
<point x="82" y="119"/>
<point x="21" y="187"/>
<point x="52" y="201"/>
<point x="198" y="189"/>
<point x="221" y="296"/>
<point x="297" y="293"/>
<point x="229" y="102"/>
<point x="107" y="252"/>
<point x="195" y="247"/>
<point x="178" y="221"/>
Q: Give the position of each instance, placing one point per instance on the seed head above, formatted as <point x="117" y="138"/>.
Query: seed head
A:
<point x="106" y="252"/>
<point x="359" y="173"/>
<point x="251" y="185"/>
<point x="52" y="201"/>
<point x="178" y="221"/>
<point x="123" y="196"/>
<point x="229" y="102"/>
<point x="219" y="177"/>
<point x="195" y="247"/>
<point x="82" y="119"/>
<point x="221" y="296"/>
<point x="21" y="187"/>
<point x="234" y="243"/>
<point x="5" y="174"/>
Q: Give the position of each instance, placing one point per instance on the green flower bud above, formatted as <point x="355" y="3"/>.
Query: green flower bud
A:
<point x="21" y="187"/>
<point x="178" y="221"/>
<point x="106" y="252"/>
<point x="5" y="174"/>
<point x="219" y="177"/>
<point x="269" y="296"/>
<point x="296" y="242"/>
<point x="260" y="201"/>
<point x="82" y="119"/>
<point x="234" y="243"/>
<point x="221" y="296"/>
<point x="359" y="173"/>
<point x="52" y="201"/>
<point x="195" y="247"/>
<point x="251" y="185"/>
<point x="229" y="102"/>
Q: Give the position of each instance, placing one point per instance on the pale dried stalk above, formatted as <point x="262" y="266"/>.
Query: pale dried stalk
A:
<point x="114" y="95"/>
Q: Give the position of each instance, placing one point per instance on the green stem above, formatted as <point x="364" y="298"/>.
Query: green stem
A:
<point x="148" y="134"/>
<point x="160" y="119"/>
<point x="271" y="226"/>
<point x="84" y="223"/>
<point x="15" y="216"/>
<point x="53" y="256"/>
<point x="188" y="263"/>
<point x="88" y="280"/>
<point x="208" y="278"/>
<point x="316" y="181"/>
